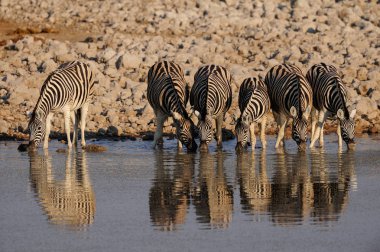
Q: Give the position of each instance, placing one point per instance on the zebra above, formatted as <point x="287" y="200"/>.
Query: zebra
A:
<point x="330" y="100"/>
<point x="69" y="89"/>
<point x="254" y="105"/>
<point x="290" y="96"/>
<point x="210" y="98"/>
<point x="168" y="94"/>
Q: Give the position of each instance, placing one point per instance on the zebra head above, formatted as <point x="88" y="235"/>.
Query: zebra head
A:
<point x="185" y="131"/>
<point x="36" y="129"/>
<point x="347" y="127"/>
<point x="241" y="131"/>
<point x="205" y="130"/>
<point x="299" y="127"/>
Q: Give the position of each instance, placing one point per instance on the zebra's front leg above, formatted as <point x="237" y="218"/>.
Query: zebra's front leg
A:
<point x="160" y="120"/>
<point x="316" y="135"/>
<point x="179" y="144"/>
<point x="83" y="115"/>
<point x="321" y="136"/>
<point x="281" y="134"/>
<point x="66" y="113"/>
<point x="47" y="133"/>
<point x="252" y="135"/>
<point x="219" y="137"/>
<point x="314" y="114"/>
<point x="277" y="118"/>
<point x="338" y="131"/>
<point x="262" y="132"/>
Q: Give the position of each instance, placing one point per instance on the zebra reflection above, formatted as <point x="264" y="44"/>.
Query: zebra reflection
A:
<point x="255" y="187"/>
<point x="213" y="197"/>
<point x="170" y="193"/>
<point x="69" y="202"/>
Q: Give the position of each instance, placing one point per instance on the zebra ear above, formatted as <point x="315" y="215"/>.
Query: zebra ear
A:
<point x="293" y="111"/>
<point x="340" y="114"/>
<point x="352" y="114"/>
<point x="177" y="116"/>
<point x="245" y="120"/>
<point x="29" y="114"/>
<point x="196" y="112"/>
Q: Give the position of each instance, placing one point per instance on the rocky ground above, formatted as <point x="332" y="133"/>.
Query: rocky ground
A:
<point x="122" y="39"/>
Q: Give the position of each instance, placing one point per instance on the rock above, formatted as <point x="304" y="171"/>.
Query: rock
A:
<point x="4" y="126"/>
<point x="362" y="74"/>
<point x="48" y="66"/>
<point x="366" y="106"/>
<point x="131" y="60"/>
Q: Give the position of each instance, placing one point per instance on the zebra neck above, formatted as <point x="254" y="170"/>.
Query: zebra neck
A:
<point x="42" y="110"/>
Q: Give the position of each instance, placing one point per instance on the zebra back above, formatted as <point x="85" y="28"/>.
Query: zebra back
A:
<point x="167" y="88"/>
<point x="73" y="84"/>
<point x="288" y="87"/>
<point x="329" y="91"/>
<point x="253" y="99"/>
<point x="211" y="93"/>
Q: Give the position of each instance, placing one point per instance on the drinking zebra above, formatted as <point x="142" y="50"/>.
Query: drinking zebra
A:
<point x="67" y="89"/>
<point x="211" y="97"/>
<point x="254" y="105"/>
<point x="330" y="100"/>
<point x="168" y="94"/>
<point x="290" y="96"/>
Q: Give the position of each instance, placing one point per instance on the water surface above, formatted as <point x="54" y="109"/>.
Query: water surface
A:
<point x="133" y="198"/>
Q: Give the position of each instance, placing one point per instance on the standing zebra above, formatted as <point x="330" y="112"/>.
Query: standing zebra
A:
<point x="254" y="105"/>
<point x="330" y="99"/>
<point x="211" y="97"/>
<point x="290" y="96"/>
<point x="168" y="94"/>
<point x="67" y="89"/>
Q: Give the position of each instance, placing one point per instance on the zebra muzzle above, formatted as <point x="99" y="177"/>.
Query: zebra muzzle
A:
<point x="351" y="144"/>
<point x="302" y="146"/>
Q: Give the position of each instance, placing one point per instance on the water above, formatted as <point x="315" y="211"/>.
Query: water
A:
<point x="132" y="198"/>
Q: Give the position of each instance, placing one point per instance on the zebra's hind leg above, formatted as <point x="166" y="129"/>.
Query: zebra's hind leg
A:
<point x="83" y="114"/>
<point x="66" y="114"/>
<point x="75" y="119"/>
<point x="262" y="131"/>
<point x="47" y="133"/>
<point x="253" y="136"/>
<point x="319" y="126"/>
<point x="219" y="137"/>
<point x="160" y="120"/>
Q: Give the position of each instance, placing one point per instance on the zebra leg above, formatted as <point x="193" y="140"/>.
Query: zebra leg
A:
<point x="253" y="136"/>
<point x="339" y="135"/>
<point x="277" y="118"/>
<point x="66" y="114"/>
<point x="262" y="132"/>
<point x="219" y="122"/>
<point x="75" y="120"/>
<point x="83" y="114"/>
<point x="47" y="133"/>
<point x="281" y="132"/>
<point x="314" y="114"/>
<point x="321" y="120"/>
<point x="321" y="136"/>
<point x="160" y="120"/>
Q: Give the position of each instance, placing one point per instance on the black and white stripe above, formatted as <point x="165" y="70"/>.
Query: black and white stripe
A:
<point x="291" y="97"/>
<point x="330" y="100"/>
<point x="211" y="97"/>
<point x="168" y="94"/>
<point x="67" y="89"/>
<point x="254" y="105"/>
